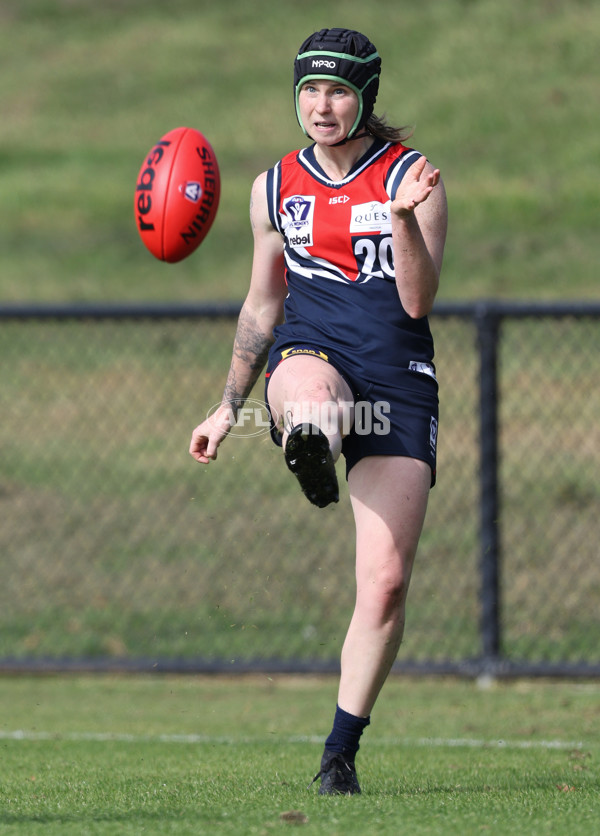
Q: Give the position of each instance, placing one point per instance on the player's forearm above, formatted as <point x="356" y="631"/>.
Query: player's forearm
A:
<point x="250" y="350"/>
<point x="417" y="276"/>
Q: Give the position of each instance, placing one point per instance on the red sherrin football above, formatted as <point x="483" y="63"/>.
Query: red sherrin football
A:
<point x="177" y="194"/>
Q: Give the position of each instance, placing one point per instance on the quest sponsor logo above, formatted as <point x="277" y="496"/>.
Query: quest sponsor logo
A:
<point x="371" y="217"/>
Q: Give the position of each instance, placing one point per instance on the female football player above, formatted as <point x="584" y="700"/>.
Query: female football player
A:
<point x="348" y="241"/>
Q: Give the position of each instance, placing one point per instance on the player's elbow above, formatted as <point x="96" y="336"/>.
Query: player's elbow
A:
<point x="419" y="306"/>
<point x="417" y="311"/>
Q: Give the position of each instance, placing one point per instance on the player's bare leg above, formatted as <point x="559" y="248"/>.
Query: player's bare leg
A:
<point x="389" y="497"/>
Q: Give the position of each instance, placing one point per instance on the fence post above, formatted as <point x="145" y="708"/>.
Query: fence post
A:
<point x="488" y="321"/>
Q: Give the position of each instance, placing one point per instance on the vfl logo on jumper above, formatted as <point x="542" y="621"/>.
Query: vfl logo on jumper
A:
<point x="192" y="191"/>
<point x="371" y="217"/>
<point x="300" y="210"/>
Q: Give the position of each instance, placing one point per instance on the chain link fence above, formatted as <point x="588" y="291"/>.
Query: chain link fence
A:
<point x="117" y="550"/>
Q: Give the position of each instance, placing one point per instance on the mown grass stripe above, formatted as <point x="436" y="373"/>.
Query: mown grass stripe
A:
<point x="442" y="742"/>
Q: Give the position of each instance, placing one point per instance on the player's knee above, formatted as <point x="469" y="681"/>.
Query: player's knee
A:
<point x="386" y="592"/>
<point x="392" y="588"/>
<point x="317" y="403"/>
<point x="315" y="389"/>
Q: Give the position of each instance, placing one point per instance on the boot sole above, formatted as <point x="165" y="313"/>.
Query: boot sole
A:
<point x="308" y="456"/>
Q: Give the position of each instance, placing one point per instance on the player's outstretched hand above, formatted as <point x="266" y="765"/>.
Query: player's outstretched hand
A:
<point x="416" y="186"/>
<point x="208" y="435"/>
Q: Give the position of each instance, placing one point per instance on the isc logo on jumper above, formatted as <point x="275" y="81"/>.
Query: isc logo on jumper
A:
<point x="298" y="225"/>
<point x="192" y="191"/>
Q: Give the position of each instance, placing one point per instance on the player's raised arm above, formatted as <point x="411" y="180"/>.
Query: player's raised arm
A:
<point x="420" y="220"/>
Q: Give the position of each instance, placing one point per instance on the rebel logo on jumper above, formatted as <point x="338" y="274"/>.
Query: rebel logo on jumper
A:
<point x="299" y="211"/>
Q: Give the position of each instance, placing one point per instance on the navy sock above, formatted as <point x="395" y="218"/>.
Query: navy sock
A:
<point x="346" y="733"/>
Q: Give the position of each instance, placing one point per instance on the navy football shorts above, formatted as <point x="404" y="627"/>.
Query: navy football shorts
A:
<point x="399" y="418"/>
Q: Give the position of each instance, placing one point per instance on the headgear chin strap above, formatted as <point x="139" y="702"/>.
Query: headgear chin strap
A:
<point x="342" y="55"/>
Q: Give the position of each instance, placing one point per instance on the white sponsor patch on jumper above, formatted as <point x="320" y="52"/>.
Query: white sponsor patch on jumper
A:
<point x="298" y="226"/>
<point x="371" y="217"/>
<point x="424" y="368"/>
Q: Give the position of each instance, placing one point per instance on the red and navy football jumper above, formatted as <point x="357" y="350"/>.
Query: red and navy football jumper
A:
<point x="342" y="297"/>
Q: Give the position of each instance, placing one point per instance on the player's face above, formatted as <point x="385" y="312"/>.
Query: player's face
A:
<point x="328" y="110"/>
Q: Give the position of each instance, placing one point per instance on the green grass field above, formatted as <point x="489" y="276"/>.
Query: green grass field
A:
<point x="113" y="755"/>
<point x="502" y="96"/>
